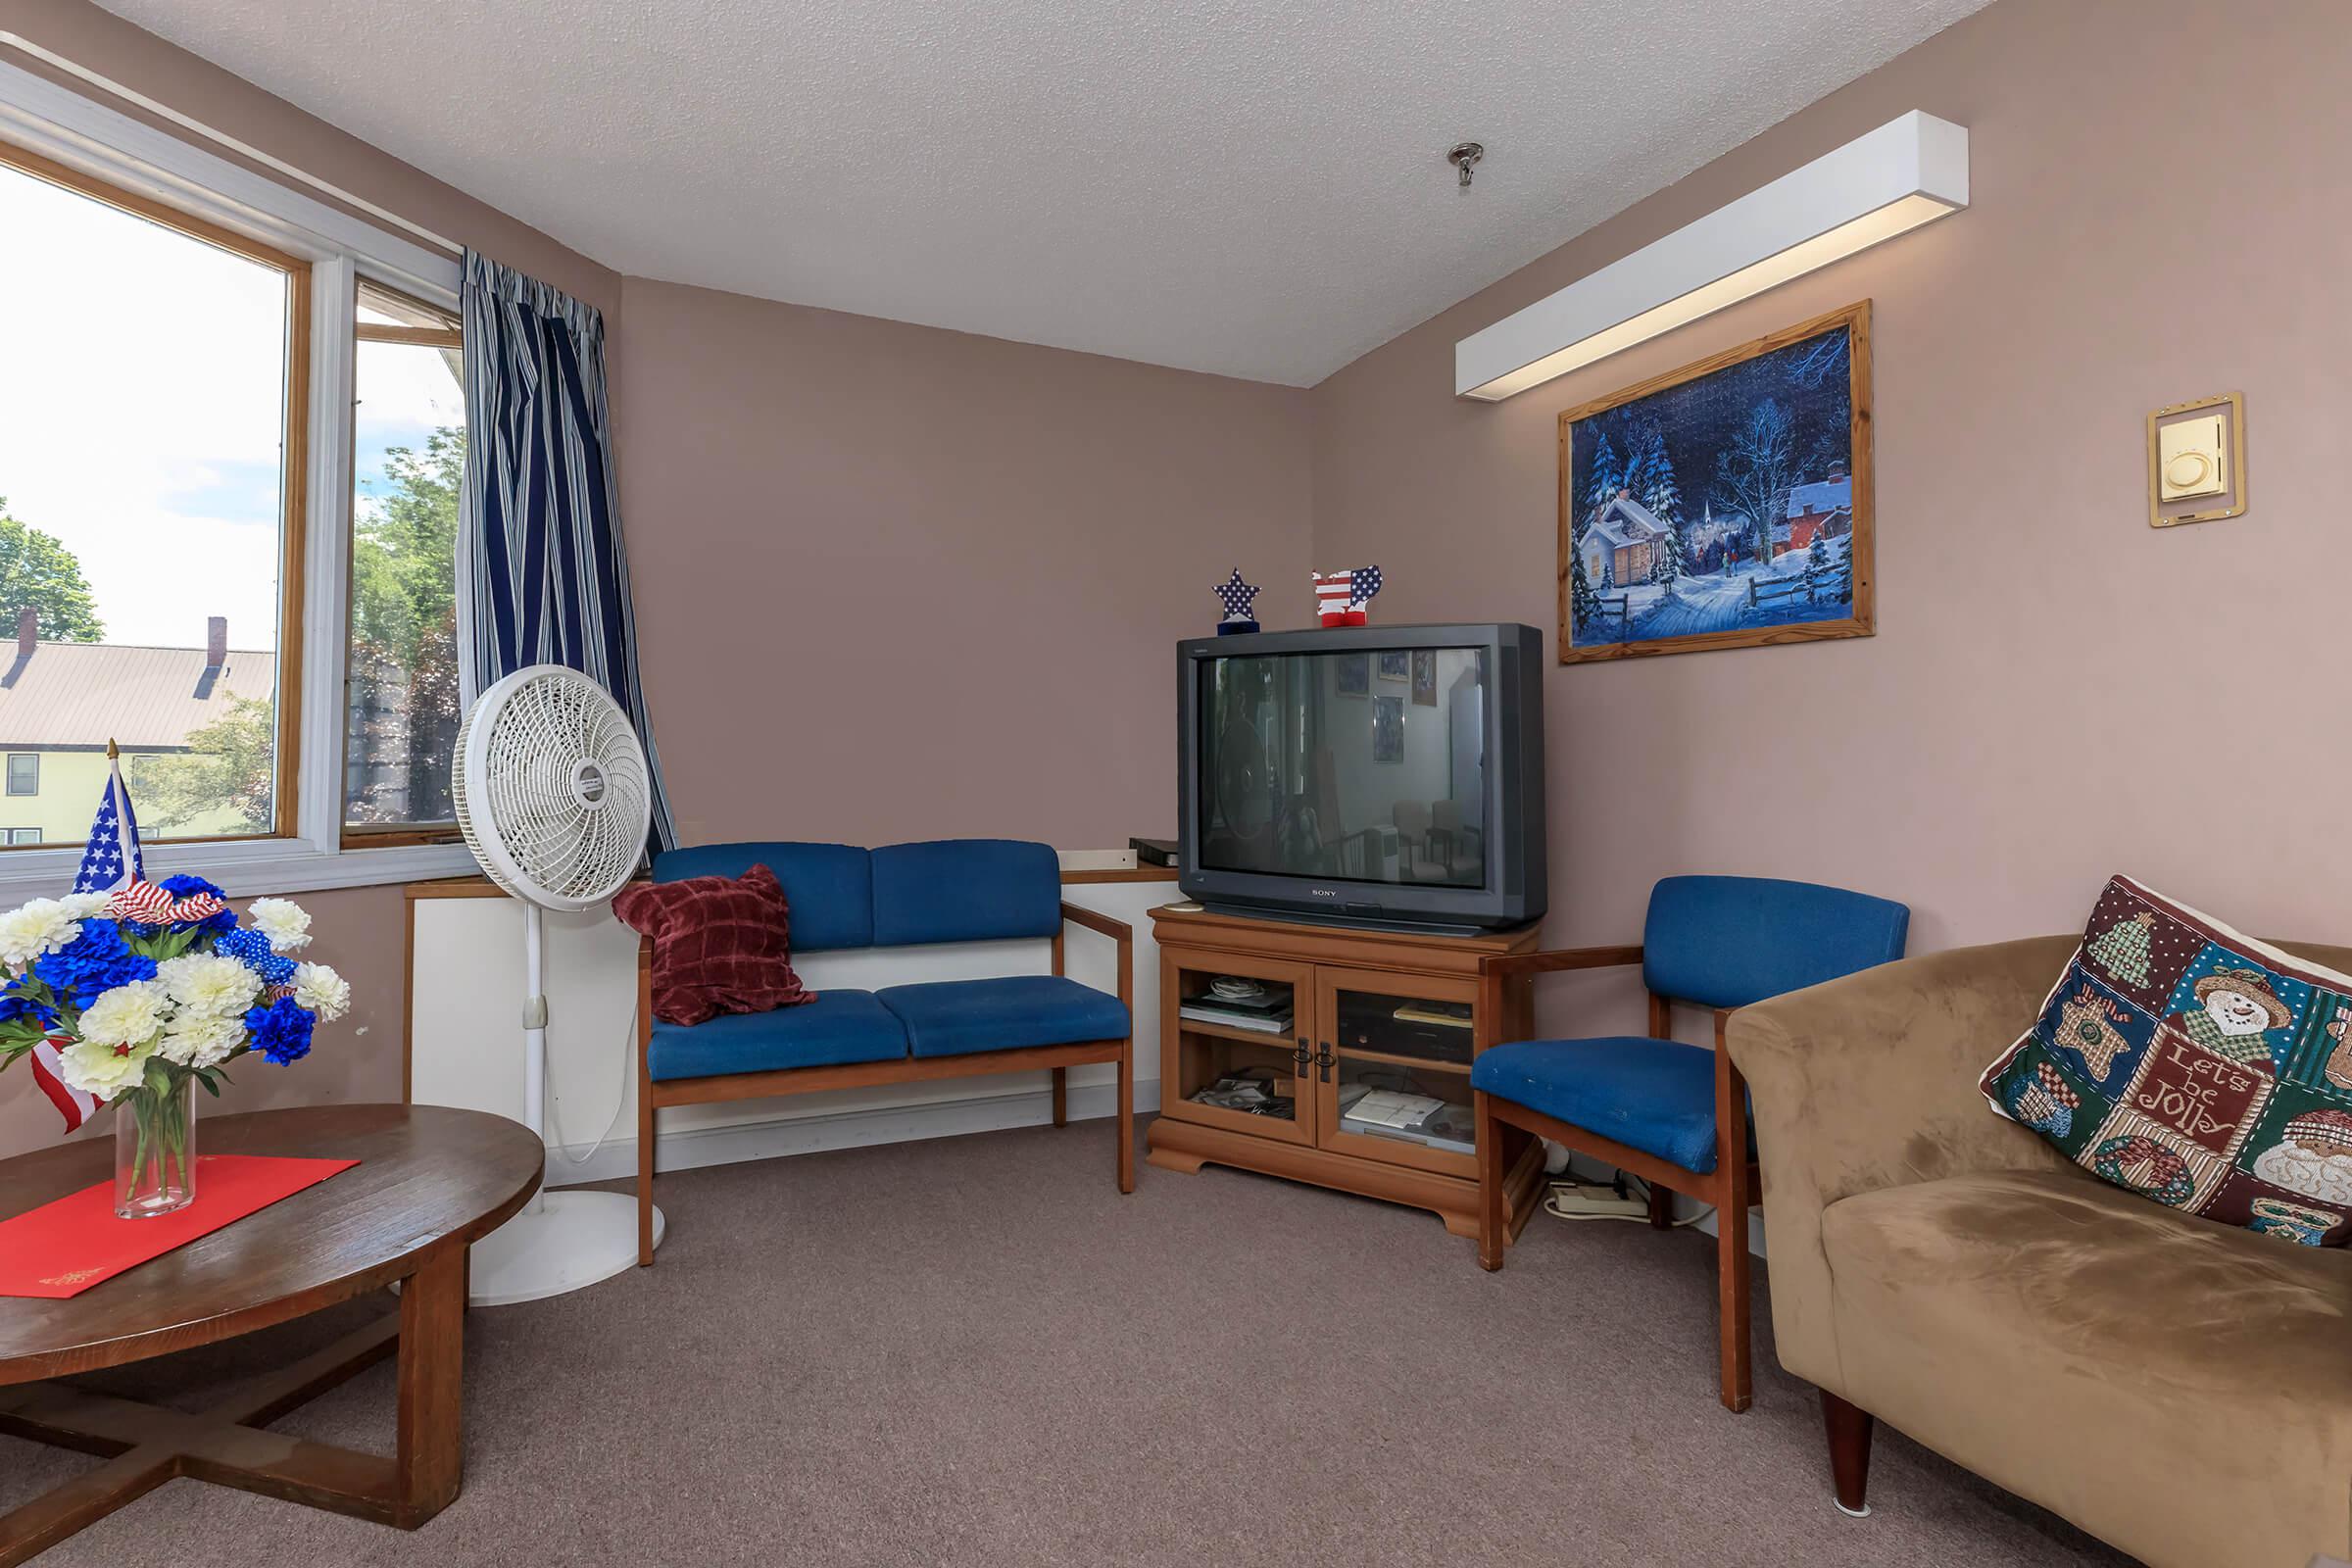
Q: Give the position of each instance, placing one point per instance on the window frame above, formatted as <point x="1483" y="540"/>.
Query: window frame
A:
<point x="330" y="249"/>
<point x="294" y="468"/>
<point x="14" y="758"/>
<point x="378" y="835"/>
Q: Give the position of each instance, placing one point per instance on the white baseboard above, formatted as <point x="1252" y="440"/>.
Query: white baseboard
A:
<point x="691" y="1148"/>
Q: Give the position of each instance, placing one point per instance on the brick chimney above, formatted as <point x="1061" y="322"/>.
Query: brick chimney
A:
<point x="215" y="641"/>
<point x="28" y="630"/>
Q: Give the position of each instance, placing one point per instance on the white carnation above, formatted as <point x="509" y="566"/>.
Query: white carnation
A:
<point x="82" y="906"/>
<point x="130" y="1014"/>
<point x="286" y="924"/>
<point x="202" y="1040"/>
<point x="28" y="932"/>
<point x="209" y="983"/>
<point x="104" y="1071"/>
<point x="322" y="991"/>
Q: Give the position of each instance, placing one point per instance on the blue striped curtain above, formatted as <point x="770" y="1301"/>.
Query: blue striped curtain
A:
<point x="542" y="577"/>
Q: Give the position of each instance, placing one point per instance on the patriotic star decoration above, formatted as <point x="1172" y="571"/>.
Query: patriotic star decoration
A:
<point x="1362" y="584"/>
<point x="1238" y="597"/>
<point x="102" y="859"/>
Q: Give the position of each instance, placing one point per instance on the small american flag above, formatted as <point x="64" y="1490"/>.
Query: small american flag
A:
<point x="111" y="863"/>
<point x="50" y="1073"/>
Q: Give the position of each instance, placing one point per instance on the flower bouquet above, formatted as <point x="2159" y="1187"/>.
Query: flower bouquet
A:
<point x="131" y="997"/>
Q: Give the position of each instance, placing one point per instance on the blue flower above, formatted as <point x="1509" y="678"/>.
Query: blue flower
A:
<point x="252" y="949"/>
<point x="15" y="1004"/>
<point x="281" y="1031"/>
<point x="180" y="887"/>
<point x="95" y="961"/>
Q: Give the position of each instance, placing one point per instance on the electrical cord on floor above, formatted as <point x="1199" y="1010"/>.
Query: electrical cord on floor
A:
<point x="554" y="1119"/>
<point x="1564" y="1180"/>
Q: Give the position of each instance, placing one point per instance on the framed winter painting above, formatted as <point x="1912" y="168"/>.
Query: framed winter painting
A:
<point x="1724" y="505"/>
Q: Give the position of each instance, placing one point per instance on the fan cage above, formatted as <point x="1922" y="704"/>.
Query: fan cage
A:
<point x="551" y="787"/>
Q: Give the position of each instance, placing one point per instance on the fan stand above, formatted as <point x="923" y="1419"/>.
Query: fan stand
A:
<point x="561" y="1242"/>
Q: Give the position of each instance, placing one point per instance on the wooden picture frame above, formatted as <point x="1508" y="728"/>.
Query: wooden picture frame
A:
<point x="1842" y="591"/>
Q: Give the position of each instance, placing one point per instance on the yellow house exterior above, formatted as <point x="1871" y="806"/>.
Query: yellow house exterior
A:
<point x="61" y="703"/>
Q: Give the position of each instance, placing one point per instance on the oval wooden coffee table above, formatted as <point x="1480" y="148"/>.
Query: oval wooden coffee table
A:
<point x="430" y="1182"/>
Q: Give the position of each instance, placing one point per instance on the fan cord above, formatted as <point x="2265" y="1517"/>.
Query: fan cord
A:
<point x="620" y="1099"/>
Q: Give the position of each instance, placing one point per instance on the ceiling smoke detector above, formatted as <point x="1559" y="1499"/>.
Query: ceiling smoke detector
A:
<point x="1463" y="155"/>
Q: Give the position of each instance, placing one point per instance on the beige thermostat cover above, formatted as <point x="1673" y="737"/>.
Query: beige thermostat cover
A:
<point x="2189" y="459"/>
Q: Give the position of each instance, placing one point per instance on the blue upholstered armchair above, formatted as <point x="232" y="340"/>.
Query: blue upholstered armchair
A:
<point x="1656" y="1109"/>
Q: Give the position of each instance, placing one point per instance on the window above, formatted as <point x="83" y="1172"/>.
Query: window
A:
<point x="229" y="426"/>
<point x="152" y="419"/>
<point x="399" y="688"/>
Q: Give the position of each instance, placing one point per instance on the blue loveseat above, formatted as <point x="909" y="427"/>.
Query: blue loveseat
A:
<point x="899" y="896"/>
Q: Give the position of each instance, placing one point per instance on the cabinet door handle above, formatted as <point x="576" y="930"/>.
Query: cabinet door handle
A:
<point x="1302" y="1056"/>
<point x="1323" y="1059"/>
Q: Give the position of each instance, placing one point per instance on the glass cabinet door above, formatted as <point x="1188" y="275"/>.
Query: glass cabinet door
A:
<point x="1393" y="1069"/>
<point x="1239" y="1058"/>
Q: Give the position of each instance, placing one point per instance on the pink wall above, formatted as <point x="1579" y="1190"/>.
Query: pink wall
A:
<point x="833" y="516"/>
<point x="359" y="930"/>
<point x="2056" y="691"/>
<point x="894" y="582"/>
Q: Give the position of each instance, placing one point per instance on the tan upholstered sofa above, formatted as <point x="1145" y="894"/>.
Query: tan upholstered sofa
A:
<point x="2176" y="1387"/>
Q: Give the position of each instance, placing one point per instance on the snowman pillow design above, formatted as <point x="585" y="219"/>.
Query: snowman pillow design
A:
<point x="2197" y="1067"/>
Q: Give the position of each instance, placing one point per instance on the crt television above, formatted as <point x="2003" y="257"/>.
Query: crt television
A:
<point x="1378" y="775"/>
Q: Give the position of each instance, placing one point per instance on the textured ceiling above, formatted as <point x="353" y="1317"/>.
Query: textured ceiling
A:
<point x="1255" y="189"/>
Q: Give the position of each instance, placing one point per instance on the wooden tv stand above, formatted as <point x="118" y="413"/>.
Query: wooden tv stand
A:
<point x="1370" y="1009"/>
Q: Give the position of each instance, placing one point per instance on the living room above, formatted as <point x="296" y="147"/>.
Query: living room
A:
<point x="892" y="411"/>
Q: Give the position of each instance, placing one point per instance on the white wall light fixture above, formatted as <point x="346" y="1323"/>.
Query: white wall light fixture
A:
<point x="1908" y="171"/>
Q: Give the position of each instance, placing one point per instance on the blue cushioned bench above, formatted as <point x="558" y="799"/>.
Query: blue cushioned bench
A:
<point x="899" y="896"/>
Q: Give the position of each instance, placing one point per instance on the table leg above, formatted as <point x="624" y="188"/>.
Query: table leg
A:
<point x="430" y="1453"/>
<point x="28" y="1531"/>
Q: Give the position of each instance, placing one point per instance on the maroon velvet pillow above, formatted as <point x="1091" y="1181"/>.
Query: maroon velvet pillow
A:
<point x="722" y="944"/>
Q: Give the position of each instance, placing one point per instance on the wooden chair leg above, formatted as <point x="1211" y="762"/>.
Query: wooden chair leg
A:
<point x="1849" y="1428"/>
<point x="1731" y="1196"/>
<point x="1731" y="1278"/>
<point x="1487" y="1134"/>
<point x="1662" y="1208"/>
<point x="644" y="1171"/>
<point x="1061" y="1097"/>
<point x="645" y="1104"/>
<point x="1126" y="1114"/>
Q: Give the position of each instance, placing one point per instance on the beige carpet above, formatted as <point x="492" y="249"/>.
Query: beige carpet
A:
<point x="974" y="1351"/>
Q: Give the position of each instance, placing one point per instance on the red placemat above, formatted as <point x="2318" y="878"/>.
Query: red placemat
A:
<point x="64" y="1247"/>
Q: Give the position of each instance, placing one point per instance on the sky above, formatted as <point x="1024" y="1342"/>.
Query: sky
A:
<point x="142" y="394"/>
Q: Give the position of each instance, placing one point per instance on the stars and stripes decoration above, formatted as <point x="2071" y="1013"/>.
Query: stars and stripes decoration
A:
<point x="1239" y="598"/>
<point x="50" y="1074"/>
<point x="112" y="861"/>
<point x="1341" y="596"/>
<point x="150" y="904"/>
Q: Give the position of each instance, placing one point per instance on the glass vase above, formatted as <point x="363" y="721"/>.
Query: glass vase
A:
<point x="155" y="1150"/>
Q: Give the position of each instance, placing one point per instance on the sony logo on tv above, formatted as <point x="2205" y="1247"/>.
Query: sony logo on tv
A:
<point x="1324" y="893"/>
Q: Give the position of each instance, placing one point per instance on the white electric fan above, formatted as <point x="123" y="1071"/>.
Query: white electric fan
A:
<point x="554" y="800"/>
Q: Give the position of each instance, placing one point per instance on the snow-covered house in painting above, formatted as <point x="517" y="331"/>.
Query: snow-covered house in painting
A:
<point x="1824" y="508"/>
<point x="1624" y="542"/>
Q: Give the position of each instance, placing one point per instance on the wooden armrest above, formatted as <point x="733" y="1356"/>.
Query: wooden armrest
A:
<point x="1117" y="930"/>
<point x="644" y="955"/>
<point x="1557" y="958"/>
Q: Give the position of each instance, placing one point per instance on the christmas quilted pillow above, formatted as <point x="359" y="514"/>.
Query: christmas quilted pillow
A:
<point x="2195" y="1067"/>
